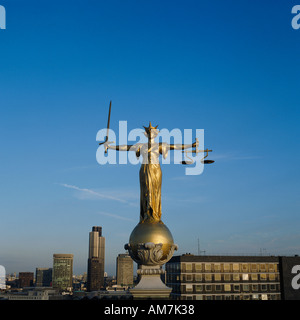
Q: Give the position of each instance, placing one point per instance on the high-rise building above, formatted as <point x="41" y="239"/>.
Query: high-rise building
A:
<point x="96" y="260"/>
<point x="62" y="271"/>
<point x="25" y="279"/>
<point x="43" y="277"/>
<point x="124" y="270"/>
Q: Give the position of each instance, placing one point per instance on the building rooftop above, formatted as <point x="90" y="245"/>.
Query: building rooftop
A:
<point x="220" y="258"/>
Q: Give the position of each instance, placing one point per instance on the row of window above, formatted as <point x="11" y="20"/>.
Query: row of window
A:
<point x="227" y="288"/>
<point x="228" y="297"/>
<point x="222" y="267"/>
<point x="209" y="277"/>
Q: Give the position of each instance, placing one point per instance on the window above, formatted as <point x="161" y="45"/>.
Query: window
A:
<point x="272" y="277"/>
<point x="207" y="267"/>
<point x="254" y="267"/>
<point x="217" y="277"/>
<point x="255" y="287"/>
<point x="236" y="277"/>
<point x="218" y="287"/>
<point x="188" y="267"/>
<point x="217" y="267"/>
<point x="199" y="297"/>
<point x="254" y="276"/>
<point x="208" y="297"/>
<point x="245" y="267"/>
<point x="263" y="287"/>
<point x="271" y="267"/>
<point x="198" y="277"/>
<point x="189" y="277"/>
<point x="262" y="267"/>
<point x="263" y="277"/>
<point x="272" y="287"/>
<point x="236" y="267"/>
<point x="245" y="287"/>
<point x="227" y="287"/>
<point x="188" y="287"/>
<point x="227" y="277"/>
<point x="264" y="297"/>
<point x="218" y="297"/>
<point x="199" y="288"/>
<point x="208" y="277"/>
<point x="198" y="266"/>
<point x="226" y="267"/>
<point x="255" y="297"/>
<point x="245" y="276"/>
<point x="208" y="288"/>
<point x="236" y="287"/>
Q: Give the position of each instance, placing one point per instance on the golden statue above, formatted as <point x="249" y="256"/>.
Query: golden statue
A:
<point x="151" y="243"/>
<point x="150" y="172"/>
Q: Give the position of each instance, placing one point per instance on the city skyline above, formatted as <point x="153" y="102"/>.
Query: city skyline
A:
<point x="227" y="67"/>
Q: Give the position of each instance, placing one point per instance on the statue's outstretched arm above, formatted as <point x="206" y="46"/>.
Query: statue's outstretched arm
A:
<point x="123" y="147"/>
<point x="182" y="146"/>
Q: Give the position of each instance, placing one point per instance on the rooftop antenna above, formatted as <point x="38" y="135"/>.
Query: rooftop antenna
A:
<point x="199" y="251"/>
<point x="263" y="251"/>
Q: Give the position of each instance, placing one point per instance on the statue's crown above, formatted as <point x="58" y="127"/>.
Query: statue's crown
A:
<point x="148" y="129"/>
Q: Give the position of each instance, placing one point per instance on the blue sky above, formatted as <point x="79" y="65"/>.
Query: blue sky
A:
<point x="228" y="67"/>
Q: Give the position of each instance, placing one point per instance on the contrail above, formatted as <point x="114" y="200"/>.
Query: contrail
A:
<point x="94" y="193"/>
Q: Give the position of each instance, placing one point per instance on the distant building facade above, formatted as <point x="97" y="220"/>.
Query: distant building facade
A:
<point x="62" y="273"/>
<point x="96" y="260"/>
<point x="224" y="277"/>
<point x="43" y="277"/>
<point x="25" y="279"/>
<point x="124" y="270"/>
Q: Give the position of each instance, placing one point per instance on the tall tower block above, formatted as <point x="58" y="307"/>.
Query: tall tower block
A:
<point x="96" y="260"/>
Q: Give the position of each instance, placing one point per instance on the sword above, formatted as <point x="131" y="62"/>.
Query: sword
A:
<point x="108" y="121"/>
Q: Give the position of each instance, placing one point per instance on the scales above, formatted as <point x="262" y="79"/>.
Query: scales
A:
<point x="196" y="150"/>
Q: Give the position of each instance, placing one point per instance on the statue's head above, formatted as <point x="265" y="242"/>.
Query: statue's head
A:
<point x="151" y="132"/>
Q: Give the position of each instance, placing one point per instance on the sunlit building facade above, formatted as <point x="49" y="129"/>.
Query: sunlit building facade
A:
<point x="224" y="277"/>
<point x="124" y="270"/>
<point x="62" y="273"/>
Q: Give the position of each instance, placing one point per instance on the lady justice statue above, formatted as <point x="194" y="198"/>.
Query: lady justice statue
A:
<point x="151" y="243"/>
<point x="150" y="172"/>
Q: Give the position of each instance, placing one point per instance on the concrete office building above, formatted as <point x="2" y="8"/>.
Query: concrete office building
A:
<point x="62" y="272"/>
<point x="96" y="260"/>
<point x="25" y="279"/>
<point x="124" y="270"/>
<point x="231" y="277"/>
<point x="43" y="277"/>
